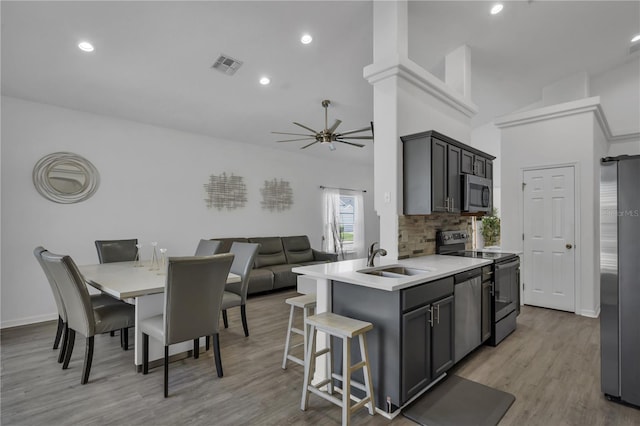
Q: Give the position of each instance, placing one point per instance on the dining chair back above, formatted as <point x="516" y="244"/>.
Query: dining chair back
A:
<point x="83" y="316"/>
<point x="193" y="296"/>
<point x="192" y="302"/>
<point x="236" y="294"/>
<point x="207" y="247"/>
<point x="116" y="250"/>
<point x="62" y="315"/>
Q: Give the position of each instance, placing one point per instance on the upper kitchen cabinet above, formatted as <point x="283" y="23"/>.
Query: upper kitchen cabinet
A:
<point x="433" y="164"/>
<point x="476" y="164"/>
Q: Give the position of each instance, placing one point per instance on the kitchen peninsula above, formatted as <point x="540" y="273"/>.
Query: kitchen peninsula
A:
<point x="411" y="305"/>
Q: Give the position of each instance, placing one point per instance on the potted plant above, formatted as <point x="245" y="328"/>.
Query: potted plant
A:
<point x="491" y="229"/>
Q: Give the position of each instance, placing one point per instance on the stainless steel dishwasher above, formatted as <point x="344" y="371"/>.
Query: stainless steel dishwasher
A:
<point x="468" y="312"/>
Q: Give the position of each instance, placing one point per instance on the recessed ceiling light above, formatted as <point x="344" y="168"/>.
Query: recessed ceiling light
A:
<point x="306" y="39"/>
<point x="635" y="38"/>
<point x="265" y="80"/>
<point x="85" y="46"/>
<point x="497" y="8"/>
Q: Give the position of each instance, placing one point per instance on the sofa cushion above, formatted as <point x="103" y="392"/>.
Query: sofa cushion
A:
<point x="297" y="249"/>
<point x="282" y="275"/>
<point x="225" y="243"/>
<point x="270" y="252"/>
<point x="260" y="280"/>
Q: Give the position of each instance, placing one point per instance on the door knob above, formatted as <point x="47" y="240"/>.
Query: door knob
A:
<point x="569" y="246"/>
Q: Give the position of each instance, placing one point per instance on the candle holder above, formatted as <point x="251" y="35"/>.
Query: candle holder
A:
<point x="154" y="257"/>
<point x="163" y="261"/>
<point x="137" y="263"/>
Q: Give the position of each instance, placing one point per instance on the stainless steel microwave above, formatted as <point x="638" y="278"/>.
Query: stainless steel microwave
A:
<point x="477" y="194"/>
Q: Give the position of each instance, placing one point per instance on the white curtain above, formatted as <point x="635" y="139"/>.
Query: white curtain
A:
<point x="358" y="226"/>
<point x="331" y="221"/>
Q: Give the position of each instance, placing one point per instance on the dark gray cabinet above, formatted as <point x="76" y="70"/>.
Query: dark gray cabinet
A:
<point x="427" y="345"/>
<point x="442" y="328"/>
<point x="411" y="343"/>
<point x="475" y="164"/>
<point x="432" y="167"/>
<point x="445" y="175"/>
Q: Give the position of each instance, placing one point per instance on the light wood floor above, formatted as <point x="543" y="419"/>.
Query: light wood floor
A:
<point x="551" y="365"/>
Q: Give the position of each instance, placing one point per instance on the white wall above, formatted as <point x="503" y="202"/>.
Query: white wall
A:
<point x="151" y="188"/>
<point x="557" y="141"/>
<point x="619" y="91"/>
<point x="624" y="148"/>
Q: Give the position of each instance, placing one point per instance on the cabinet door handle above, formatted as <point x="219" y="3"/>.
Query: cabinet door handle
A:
<point x="438" y="314"/>
<point x="446" y="204"/>
<point x="431" y="316"/>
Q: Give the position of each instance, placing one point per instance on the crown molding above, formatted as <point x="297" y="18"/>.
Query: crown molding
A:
<point x="413" y="73"/>
<point x="580" y="106"/>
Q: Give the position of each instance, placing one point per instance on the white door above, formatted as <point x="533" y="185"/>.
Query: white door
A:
<point x="549" y="231"/>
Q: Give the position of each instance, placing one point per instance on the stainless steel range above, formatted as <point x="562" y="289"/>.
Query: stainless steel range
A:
<point x="500" y="287"/>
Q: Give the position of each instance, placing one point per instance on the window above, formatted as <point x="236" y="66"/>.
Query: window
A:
<point x="343" y="223"/>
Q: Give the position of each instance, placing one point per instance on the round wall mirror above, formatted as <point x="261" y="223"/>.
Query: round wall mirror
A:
<point x="65" y="177"/>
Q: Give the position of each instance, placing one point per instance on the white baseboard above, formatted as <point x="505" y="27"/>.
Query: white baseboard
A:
<point x="28" y="320"/>
<point x="590" y="312"/>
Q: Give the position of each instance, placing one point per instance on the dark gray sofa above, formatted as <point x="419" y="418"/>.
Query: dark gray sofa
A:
<point x="275" y="259"/>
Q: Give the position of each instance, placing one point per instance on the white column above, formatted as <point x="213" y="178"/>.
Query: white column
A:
<point x="390" y="44"/>
<point x="457" y="71"/>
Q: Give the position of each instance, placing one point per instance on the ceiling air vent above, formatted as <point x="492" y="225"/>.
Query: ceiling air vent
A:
<point x="226" y="64"/>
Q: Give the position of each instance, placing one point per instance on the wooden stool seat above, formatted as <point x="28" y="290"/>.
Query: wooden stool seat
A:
<point x="307" y="303"/>
<point x="344" y="328"/>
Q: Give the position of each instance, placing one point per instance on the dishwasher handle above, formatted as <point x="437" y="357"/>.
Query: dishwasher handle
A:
<point x="467" y="275"/>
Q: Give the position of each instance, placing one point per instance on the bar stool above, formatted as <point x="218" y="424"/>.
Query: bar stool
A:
<point x="344" y="328"/>
<point x="307" y="303"/>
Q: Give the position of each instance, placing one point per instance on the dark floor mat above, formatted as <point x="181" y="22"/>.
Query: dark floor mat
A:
<point x="459" y="402"/>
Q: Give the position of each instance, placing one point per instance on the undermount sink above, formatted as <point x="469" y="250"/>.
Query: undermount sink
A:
<point x="394" y="271"/>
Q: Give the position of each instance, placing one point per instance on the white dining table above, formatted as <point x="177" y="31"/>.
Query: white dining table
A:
<point x="143" y="285"/>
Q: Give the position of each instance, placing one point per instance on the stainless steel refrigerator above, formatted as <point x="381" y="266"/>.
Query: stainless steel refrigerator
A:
<point x="620" y="278"/>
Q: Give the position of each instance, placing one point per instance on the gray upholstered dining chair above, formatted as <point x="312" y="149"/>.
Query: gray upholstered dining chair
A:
<point x="110" y="251"/>
<point x="61" y="332"/>
<point x="82" y="316"/>
<point x="116" y="250"/>
<point x="192" y="301"/>
<point x="207" y="247"/>
<point x="236" y="294"/>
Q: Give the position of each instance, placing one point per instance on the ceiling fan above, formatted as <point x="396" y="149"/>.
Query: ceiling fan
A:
<point x="328" y="135"/>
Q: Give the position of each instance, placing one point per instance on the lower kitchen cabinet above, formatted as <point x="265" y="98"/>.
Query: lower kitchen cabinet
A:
<point x="427" y="345"/>
<point x="412" y="341"/>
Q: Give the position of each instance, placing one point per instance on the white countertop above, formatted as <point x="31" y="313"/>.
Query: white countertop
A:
<point x="435" y="266"/>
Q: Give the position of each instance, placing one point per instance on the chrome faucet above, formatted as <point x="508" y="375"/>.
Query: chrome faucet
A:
<point x="373" y="252"/>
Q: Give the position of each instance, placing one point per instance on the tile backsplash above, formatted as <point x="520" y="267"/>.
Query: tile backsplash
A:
<point x="417" y="234"/>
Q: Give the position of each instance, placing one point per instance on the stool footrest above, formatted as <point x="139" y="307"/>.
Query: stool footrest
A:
<point x="357" y="366"/>
<point x="321" y="383"/>
<point x="360" y="404"/>
<point x="355" y="384"/>
<point x="324" y="395"/>
<point x="297" y="331"/>
<point x="322" y="352"/>
<point x="295" y="359"/>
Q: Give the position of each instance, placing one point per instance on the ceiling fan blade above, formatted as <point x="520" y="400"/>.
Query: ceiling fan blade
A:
<point x="335" y="126"/>
<point x="294" y="134"/>
<point x="307" y="146"/>
<point x="355" y="131"/>
<point x="295" y="140"/>
<point x="305" y="127"/>
<point x="351" y="143"/>
<point x="356" y="137"/>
